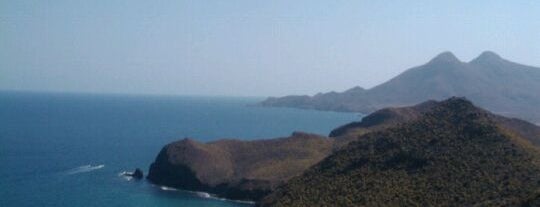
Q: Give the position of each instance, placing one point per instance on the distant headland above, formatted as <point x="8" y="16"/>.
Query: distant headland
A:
<point x="491" y="82"/>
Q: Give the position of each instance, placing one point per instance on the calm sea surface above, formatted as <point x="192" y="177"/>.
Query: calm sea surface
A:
<point x="68" y="149"/>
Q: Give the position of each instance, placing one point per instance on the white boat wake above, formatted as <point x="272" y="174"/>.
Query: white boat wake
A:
<point x="84" y="168"/>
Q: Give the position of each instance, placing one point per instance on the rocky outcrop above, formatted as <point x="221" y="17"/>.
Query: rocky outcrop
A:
<point x="243" y="170"/>
<point x="137" y="174"/>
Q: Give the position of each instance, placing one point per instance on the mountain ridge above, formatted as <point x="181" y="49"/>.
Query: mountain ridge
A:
<point x="491" y="82"/>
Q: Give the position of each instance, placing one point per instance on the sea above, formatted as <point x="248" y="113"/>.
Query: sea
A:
<point x="65" y="149"/>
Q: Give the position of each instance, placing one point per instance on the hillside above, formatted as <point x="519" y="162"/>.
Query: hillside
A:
<point x="491" y="82"/>
<point x="392" y="117"/>
<point x="250" y="170"/>
<point x="245" y="170"/>
<point x="453" y="155"/>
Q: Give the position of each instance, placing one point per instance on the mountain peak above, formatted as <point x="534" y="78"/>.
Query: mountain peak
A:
<point x="445" y="57"/>
<point x="459" y="105"/>
<point x="487" y="57"/>
<point x="355" y="89"/>
<point x="457" y="101"/>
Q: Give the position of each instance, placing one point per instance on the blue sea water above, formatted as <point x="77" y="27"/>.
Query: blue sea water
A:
<point x="68" y="149"/>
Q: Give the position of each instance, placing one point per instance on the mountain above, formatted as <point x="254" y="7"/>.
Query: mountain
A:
<point x="251" y="170"/>
<point x="496" y="84"/>
<point x="454" y="154"/>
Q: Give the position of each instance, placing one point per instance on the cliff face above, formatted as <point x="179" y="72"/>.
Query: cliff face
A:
<point x="496" y="84"/>
<point x="453" y="155"/>
<point x="244" y="170"/>
<point x="251" y="170"/>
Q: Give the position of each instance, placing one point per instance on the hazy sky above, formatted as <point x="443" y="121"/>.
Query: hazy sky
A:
<point x="248" y="47"/>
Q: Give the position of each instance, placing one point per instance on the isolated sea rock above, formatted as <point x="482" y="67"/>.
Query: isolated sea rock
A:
<point x="137" y="174"/>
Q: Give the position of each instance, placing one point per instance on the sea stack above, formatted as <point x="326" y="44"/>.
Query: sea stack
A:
<point x="137" y="174"/>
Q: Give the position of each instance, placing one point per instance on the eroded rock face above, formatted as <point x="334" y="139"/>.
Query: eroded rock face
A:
<point x="246" y="170"/>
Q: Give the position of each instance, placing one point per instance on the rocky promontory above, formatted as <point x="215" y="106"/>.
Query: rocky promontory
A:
<point x="243" y="170"/>
<point x="253" y="170"/>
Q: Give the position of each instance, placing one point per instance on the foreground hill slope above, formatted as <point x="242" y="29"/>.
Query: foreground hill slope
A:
<point x="496" y="84"/>
<point x="453" y="155"/>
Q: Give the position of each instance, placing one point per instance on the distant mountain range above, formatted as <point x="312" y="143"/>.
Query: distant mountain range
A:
<point x="447" y="153"/>
<point x="499" y="85"/>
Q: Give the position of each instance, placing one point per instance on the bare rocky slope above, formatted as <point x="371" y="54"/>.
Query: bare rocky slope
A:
<point x="491" y="82"/>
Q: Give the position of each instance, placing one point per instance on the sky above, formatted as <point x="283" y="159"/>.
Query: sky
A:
<point x="247" y="48"/>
